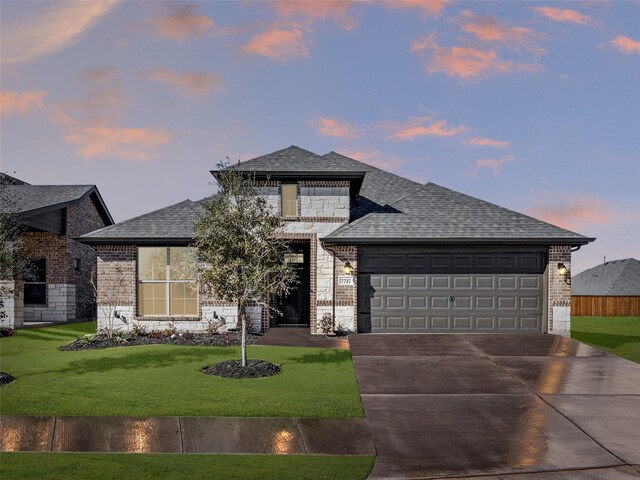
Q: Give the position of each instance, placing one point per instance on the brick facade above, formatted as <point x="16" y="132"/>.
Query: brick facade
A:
<point x="559" y="290"/>
<point x="69" y="293"/>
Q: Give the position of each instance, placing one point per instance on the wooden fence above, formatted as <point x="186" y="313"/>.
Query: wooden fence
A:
<point x="605" y="306"/>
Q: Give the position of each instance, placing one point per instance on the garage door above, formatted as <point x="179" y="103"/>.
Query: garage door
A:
<point x="426" y="292"/>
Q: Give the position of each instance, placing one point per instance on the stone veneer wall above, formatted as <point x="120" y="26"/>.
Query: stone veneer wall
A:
<point x="559" y="292"/>
<point x="13" y="309"/>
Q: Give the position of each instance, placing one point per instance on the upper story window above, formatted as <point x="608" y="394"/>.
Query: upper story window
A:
<point x="35" y="283"/>
<point x="167" y="282"/>
<point x="289" y="199"/>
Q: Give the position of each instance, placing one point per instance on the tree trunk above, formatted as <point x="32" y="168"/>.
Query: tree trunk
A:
<point x="243" y="335"/>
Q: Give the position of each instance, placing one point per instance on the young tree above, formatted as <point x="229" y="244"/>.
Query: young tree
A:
<point x="241" y="253"/>
<point x="11" y="265"/>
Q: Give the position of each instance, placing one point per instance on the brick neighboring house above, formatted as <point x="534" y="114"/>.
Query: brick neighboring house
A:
<point x="58" y="288"/>
<point x="379" y="252"/>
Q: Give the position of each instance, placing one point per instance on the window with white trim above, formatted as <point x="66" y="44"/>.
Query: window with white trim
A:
<point x="167" y="282"/>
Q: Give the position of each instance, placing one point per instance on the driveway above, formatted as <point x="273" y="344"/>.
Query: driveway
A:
<point x="493" y="405"/>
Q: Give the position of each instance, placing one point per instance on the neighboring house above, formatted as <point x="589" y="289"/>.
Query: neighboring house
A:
<point x="611" y="289"/>
<point x="379" y="252"/>
<point x="58" y="287"/>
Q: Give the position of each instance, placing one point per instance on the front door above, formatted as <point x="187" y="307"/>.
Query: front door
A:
<point x="295" y="306"/>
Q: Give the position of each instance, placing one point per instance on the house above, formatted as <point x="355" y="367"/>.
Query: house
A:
<point x="58" y="285"/>
<point x="379" y="252"/>
<point x="611" y="289"/>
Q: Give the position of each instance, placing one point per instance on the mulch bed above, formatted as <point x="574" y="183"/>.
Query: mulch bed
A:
<point x="5" y="378"/>
<point x="234" y="369"/>
<point x="95" y="342"/>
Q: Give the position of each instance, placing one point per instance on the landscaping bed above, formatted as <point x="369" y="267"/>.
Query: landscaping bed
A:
<point x="126" y="339"/>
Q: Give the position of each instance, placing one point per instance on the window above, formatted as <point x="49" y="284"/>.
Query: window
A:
<point x="35" y="283"/>
<point x="289" y="199"/>
<point x="167" y="284"/>
<point x="76" y="264"/>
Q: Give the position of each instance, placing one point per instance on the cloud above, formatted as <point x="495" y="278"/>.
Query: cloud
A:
<point x="123" y="143"/>
<point x="12" y="102"/>
<point x="43" y="28"/>
<point x="281" y="45"/>
<point x="101" y="75"/>
<point x="332" y="127"/>
<point x="488" y="29"/>
<point x="494" y="164"/>
<point x="562" y="15"/>
<point x="626" y="44"/>
<point x="485" y="142"/>
<point x="182" y="22"/>
<point x="573" y="212"/>
<point x="191" y="84"/>
<point x="428" y="8"/>
<point x="465" y="62"/>
<point x="416" y="127"/>
<point x="336" y="10"/>
<point x="376" y="158"/>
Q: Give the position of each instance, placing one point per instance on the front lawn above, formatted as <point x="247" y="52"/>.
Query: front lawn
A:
<point x="107" y="466"/>
<point x="157" y="380"/>
<point x="618" y="335"/>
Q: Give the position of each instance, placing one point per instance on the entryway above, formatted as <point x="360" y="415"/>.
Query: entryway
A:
<point x="295" y="306"/>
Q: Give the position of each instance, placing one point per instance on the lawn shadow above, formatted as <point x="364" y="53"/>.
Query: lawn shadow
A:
<point x="604" y="340"/>
<point x="47" y="336"/>
<point x="142" y="360"/>
<point x="323" y="356"/>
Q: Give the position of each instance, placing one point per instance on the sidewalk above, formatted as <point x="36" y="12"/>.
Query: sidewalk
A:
<point x="239" y="435"/>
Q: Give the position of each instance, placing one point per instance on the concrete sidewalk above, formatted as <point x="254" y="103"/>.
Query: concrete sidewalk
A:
<point x="239" y="435"/>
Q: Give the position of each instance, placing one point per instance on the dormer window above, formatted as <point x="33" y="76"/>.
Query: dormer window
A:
<point x="289" y="199"/>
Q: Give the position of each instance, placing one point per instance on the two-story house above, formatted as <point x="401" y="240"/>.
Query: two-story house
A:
<point x="377" y="251"/>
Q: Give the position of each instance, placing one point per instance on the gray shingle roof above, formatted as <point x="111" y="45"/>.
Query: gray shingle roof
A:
<point x="32" y="198"/>
<point x="614" y="278"/>
<point x="388" y="208"/>
<point x="437" y="213"/>
<point x="173" y="223"/>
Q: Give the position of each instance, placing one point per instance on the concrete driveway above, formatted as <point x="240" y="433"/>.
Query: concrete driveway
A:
<point x="495" y="405"/>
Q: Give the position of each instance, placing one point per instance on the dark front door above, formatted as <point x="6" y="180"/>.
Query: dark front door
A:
<point x="295" y="306"/>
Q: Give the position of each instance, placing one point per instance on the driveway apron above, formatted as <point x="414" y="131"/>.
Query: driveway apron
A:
<point x="472" y="405"/>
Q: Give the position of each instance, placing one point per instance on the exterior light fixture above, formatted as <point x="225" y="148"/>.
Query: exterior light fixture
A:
<point x="348" y="269"/>
<point x="564" y="271"/>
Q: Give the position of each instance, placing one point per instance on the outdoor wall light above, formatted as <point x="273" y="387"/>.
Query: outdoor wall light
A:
<point x="564" y="271"/>
<point x="348" y="269"/>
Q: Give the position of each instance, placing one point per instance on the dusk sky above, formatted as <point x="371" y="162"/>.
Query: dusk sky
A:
<point x="534" y="106"/>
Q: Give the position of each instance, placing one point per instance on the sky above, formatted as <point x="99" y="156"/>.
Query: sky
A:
<point x="534" y="106"/>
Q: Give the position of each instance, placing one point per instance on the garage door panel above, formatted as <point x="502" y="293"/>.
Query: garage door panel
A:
<point x="442" y="297"/>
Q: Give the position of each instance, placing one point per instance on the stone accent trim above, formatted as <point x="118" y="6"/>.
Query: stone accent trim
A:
<point x="559" y="292"/>
<point x="317" y="219"/>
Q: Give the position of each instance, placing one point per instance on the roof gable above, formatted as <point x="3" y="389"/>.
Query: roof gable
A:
<point x="613" y="278"/>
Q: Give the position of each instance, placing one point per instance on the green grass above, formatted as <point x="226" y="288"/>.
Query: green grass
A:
<point x="107" y="466"/>
<point x="618" y="335"/>
<point x="158" y="380"/>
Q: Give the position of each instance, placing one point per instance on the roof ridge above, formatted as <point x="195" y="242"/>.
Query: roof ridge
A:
<point x="371" y="166"/>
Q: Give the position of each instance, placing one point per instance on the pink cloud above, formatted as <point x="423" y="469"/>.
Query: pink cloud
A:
<point x="376" y="158"/>
<point x="332" y="127"/>
<point x="626" y="44"/>
<point x="416" y="128"/>
<point x="12" y="102"/>
<point x="336" y="10"/>
<point x="101" y="75"/>
<point x="494" y="164"/>
<point x="485" y="142"/>
<point x="488" y="29"/>
<point x="428" y="8"/>
<point x="465" y="62"/>
<point x="109" y="141"/>
<point x="562" y="15"/>
<point x="573" y="212"/>
<point x="181" y="23"/>
<point x="281" y="45"/>
<point x="192" y="84"/>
